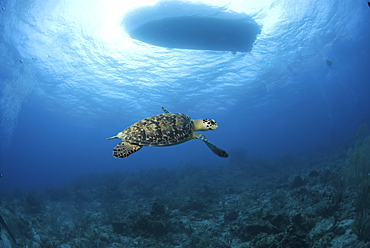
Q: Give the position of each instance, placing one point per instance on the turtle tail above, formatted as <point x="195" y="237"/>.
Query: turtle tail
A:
<point x="125" y="149"/>
<point x="214" y="148"/>
<point x="113" y="137"/>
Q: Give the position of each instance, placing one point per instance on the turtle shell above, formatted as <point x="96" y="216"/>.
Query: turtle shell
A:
<point x="160" y="130"/>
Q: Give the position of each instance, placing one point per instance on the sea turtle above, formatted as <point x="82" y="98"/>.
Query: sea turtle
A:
<point x="164" y="130"/>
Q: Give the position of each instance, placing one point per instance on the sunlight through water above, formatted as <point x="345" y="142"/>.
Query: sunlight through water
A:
<point x="84" y="66"/>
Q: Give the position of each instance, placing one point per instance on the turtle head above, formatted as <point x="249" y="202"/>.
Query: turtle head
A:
<point x="204" y="125"/>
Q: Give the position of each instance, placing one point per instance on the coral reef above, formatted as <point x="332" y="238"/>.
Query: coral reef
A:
<point x="358" y="173"/>
<point x="317" y="200"/>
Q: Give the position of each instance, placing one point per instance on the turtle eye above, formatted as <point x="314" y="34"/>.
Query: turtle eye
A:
<point x="211" y="122"/>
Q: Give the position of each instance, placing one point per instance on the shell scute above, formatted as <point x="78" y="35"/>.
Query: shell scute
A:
<point x="160" y="130"/>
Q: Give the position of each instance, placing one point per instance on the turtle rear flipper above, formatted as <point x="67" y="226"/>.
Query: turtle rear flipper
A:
<point x="124" y="149"/>
<point x="214" y="148"/>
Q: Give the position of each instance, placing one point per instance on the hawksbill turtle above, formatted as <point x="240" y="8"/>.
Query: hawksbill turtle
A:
<point x="164" y="130"/>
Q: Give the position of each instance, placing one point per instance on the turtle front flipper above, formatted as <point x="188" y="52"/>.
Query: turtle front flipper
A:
<point x="214" y="148"/>
<point x="125" y="149"/>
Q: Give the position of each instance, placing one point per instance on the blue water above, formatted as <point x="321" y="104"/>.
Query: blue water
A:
<point x="70" y="76"/>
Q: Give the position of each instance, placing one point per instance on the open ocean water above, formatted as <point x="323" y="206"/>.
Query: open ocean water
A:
<point x="292" y="114"/>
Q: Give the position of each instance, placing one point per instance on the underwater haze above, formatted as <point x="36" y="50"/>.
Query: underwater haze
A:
<point x="287" y="81"/>
<point x="71" y="76"/>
